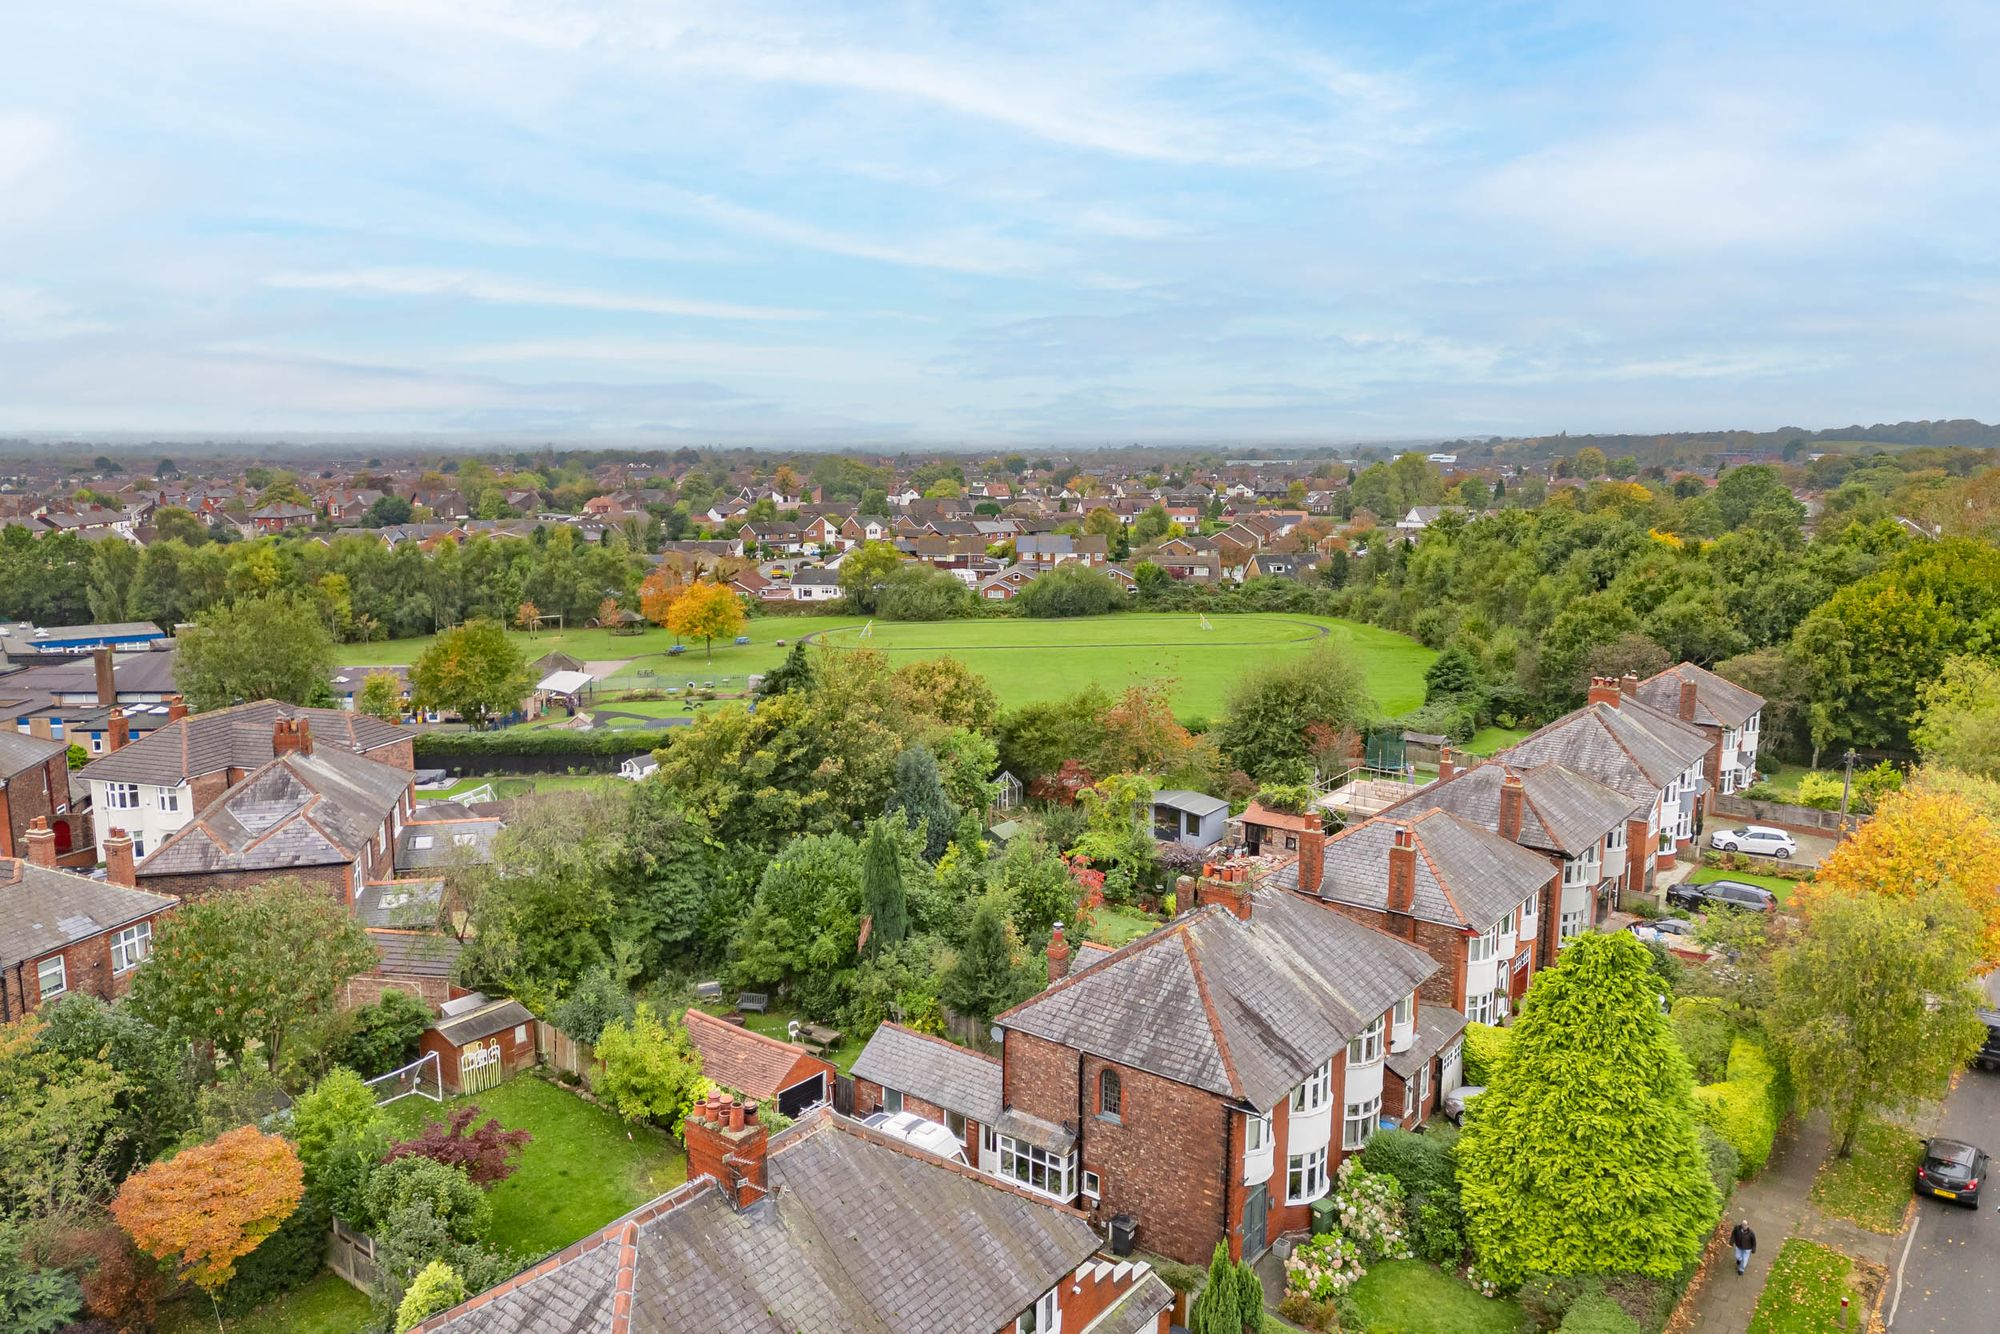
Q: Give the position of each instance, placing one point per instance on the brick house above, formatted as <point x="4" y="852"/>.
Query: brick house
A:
<point x="1473" y="901"/>
<point x="61" y="932"/>
<point x="156" y="784"/>
<point x="1208" y="1078"/>
<point x="328" y="817"/>
<point x="902" y="1070"/>
<point x="758" y="1067"/>
<point x="34" y="785"/>
<point x="826" y="1225"/>
<point x="1726" y="713"/>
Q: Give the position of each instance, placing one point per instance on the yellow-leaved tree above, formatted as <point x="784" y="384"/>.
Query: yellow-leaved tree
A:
<point x="208" y="1206"/>
<point x="706" y="612"/>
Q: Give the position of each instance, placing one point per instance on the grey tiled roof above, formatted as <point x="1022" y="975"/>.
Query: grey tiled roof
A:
<point x="416" y="953"/>
<point x="493" y="1017"/>
<point x="857" y="1234"/>
<point x="20" y="751"/>
<point x="236" y="738"/>
<point x="1718" y="702"/>
<point x="1561" y="811"/>
<point x="1437" y="1025"/>
<point x="1242" y="1009"/>
<point x="1466" y="876"/>
<point x="1631" y="746"/>
<point x="42" y="910"/>
<point x="297" y="810"/>
<point x="939" y="1072"/>
<point x="433" y="840"/>
<point x="1138" y="1311"/>
<point x="402" y="903"/>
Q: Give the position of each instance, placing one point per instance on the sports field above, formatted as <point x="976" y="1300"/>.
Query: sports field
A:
<point x="1025" y="660"/>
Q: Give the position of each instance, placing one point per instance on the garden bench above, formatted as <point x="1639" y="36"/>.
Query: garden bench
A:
<point x="754" y="1000"/>
<point x="708" y="990"/>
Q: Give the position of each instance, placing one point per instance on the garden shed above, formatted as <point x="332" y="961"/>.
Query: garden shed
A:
<point x="479" y="1042"/>
<point x="758" y="1067"/>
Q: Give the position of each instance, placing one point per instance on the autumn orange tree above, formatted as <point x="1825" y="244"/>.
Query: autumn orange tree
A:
<point x="1921" y="839"/>
<point x="657" y="595"/>
<point x="207" y="1207"/>
<point x="527" y="616"/>
<point x="706" y="612"/>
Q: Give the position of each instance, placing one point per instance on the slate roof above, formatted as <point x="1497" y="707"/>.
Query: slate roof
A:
<point x="427" y="843"/>
<point x="415" y="953"/>
<point x="1466" y="876"/>
<point x="1718" y="702"/>
<point x="1630" y="746"/>
<point x="859" y="1233"/>
<point x="20" y="752"/>
<point x="1242" y="1009"/>
<point x="236" y="738"/>
<point x="399" y="903"/>
<point x="297" y="810"/>
<point x="1138" y="1311"/>
<point x="1561" y="810"/>
<point x="943" y="1073"/>
<point x="42" y="910"/>
<point x="1193" y="803"/>
<point x="1437" y="1027"/>
<point x="748" y="1063"/>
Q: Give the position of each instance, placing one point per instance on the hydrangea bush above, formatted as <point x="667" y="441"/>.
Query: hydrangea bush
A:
<point x="1370" y="1208"/>
<point x="1325" y="1267"/>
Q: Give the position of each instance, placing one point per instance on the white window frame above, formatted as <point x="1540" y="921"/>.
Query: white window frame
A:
<point x="1421" y="1090"/>
<point x="1305" y="1176"/>
<point x="130" y="947"/>
<point x="955" y="1123"/>
<point x="1529" y="915"/>
<point x="1406" y="1011"/>
<point x="170" y="799"/>
<point x="1037" y="1170"/>
<point x="1093" y="1186"/>
<point x="1615" y="840"/>
<point x="138" y="845"/>
<point x="1257" y="1133"/>
<point x="1044" y="1317"/>
<point x="1482" y="948"/>
<point x="121" y="796"/>
<point x="1365" y="1047"/>
<point x="1315" y="1092"/>
<point x="1358" y="1121"/>
<point x="1479" y="1008"/>
<point x="1573" y="924"/>
<point x="43" y="990"/>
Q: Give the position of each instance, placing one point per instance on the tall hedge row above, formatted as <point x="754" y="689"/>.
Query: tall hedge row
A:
<point x="1746" y="1108"/>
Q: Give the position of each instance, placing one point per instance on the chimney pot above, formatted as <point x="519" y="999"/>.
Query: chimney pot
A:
<point x="1402" y="871"/>
<point x="119" y="867"/>
<point x="41" y="842"/>
<point x="1445" y="766"/>
<point x="1513" y="805"/>
<point x="1604" y="690"/>
<point x="1687" y="700"/>
<point x="120" y="728"/>
<point x="177" y="708"/>
<point x="1628" y="685"/>
<point x="1312" y="854"/>
<point x="1058" y="953"/>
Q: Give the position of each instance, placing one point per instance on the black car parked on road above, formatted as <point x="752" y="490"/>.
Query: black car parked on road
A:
<point x="1952" y="1170"/>
<point x="1988" y="1057"/>
<point x="1723" y="894"/>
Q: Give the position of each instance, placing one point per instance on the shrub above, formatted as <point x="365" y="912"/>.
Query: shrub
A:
<point x="120" y="1286"/>
<point x="599" y="999"/>
<point x="1324" y="1267"/>
<point x="1745" y="1108"/>
<point x="437" y="1287"/>
<point x="383" y="1036"/>
<point x="608" y="743"/>
<point x="1820" y="791"/>
<point x="1704" y="1030"/>
<point x="1723" y="1161"/>
<point x="1485" y="1047"/>
<point x="1179" y="1277"/>
<point x="1437" y="1229"/>
<point x="460" y="1206"/>
<point x="1451" y="718"/>
<point x="1070" y="590"/>
<point x="486" y="1155"/>
<point x="1421" y="1163"/>
<point x="1370" y="1208"/>
<point x="286" y="1259"/>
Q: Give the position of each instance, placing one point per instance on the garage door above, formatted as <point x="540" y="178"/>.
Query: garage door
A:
<point x="1452" y="1073"/>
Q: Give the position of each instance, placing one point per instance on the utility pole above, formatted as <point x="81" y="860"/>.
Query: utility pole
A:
<point x="1846" y="784"/>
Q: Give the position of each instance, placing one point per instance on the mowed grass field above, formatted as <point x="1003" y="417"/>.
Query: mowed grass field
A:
<point x="1024" y="660"/>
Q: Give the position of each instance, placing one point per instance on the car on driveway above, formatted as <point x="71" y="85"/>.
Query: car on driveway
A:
<point x="1758" y="839"/>
<point x="1723" y="894"/>
<point x="1456" y="1101"/>
<point x="1952" y="1170"/>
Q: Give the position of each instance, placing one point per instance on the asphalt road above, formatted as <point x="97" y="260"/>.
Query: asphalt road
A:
<point x="1950" y="1274"/>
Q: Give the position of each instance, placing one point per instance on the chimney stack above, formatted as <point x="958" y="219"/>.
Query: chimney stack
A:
<point x="1403" y="871"/>
<point x="121" y="731"/>
<point x="1687" y="700"/>
<point x="1058" y="956"/>
<point x="41" y="842"/>
<point x="1604" y="690"/>
<point x="727" y="1144"/>
<point x="1513" y="802"/>
<point x="107" y="685"/>
<point x="1312" y="853"/>
<point x="1228" y="885"/>
<point x="177" y="708"/>
<point x="120" y="869"/>
<point x="291" y="736"/>
<point x="1628" y="685"/>
<point x="1445" y="767"/>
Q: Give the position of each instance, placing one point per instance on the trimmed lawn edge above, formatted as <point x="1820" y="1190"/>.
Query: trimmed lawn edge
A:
<point x="1871" y="1189"/>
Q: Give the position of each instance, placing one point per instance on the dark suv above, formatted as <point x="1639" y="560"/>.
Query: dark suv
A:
<point x="1723" y="894"/>
<point x="1952" y="1170"/>
<point x="1988" y="1057"/>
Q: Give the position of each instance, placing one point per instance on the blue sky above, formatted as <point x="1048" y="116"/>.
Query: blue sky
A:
<point x="839" y="224"/>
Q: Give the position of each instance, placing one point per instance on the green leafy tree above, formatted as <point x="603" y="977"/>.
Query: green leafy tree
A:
<point x="984" y="979"/>
<point x="1271" y="709"/>
<point x="381" y="697"/>
<point x="542" y="914"/>
<point x="340" y="1134"/>
<point x="178" y="525"/>
<point x="918" y="796"/>
<point x="1036" y="738"/>
<point x="1037" y="884"/>
<point x="250" y="965"/>
<point x="1070" y="590"/>
<point x="272" y="647"/>
<point x="1117" y="835"/>
<point x="651" y="1070"/>
<point x="154" y="1095"/>
<point x="1874" y="1007"/>
<point x="914" y="591"/>
<point x="599" y="999"/>
<point x="882" y="894"/>
<point x="1592" y="1057"/>
<point x="462" y="1206"/>
<point x="472" y="670"/>
<point x="1960" y="724"/>
<point x="436" y="1288"/>
<point x="387" y="512"/>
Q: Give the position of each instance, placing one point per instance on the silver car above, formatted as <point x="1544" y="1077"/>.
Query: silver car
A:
<point x="1759" y="840"/>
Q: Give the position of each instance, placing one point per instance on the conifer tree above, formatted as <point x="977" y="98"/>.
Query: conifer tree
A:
<point x="882" y="894"/>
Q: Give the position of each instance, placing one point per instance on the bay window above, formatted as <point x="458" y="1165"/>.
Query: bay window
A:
<point x="1305" y="1177"/>
<point x="1574" y="923"/>
<point x="1359" y="1122"/>
<point x="1257" y="1134"/>
<point x="1039" y="1170"/>
<point x="1479" y="1008"/>
<point x="1366" y="1047"/>
<point x="1313" y="1094"/>
<point x="1482" y="948"/>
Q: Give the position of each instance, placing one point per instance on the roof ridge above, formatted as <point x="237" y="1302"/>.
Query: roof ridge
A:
<point x="1214" y="1019"/>
<point x="1437" y="875"/>
<point x="936" y="1040"/>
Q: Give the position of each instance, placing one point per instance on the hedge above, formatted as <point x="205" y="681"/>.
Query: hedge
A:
<point x="537" y="741"/>
<point x="1485" y="1047"/>
<point x="286" y="1259"/>
<point x="1745" y="1108"/>
<point x="1706" y="1034"/>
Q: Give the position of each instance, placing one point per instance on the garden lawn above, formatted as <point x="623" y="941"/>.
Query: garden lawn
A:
<point x="584" y="1168"/>
<point x="1872" y="1187"/>
<point x="1115" y="926"/>
<point x="1777" y="884"/>
<point x="1488" y="740"/>
<point x="1412" y="1297"/>
<point x="326" y="1305"/>
<point x="1802" y="1294"/>
<point x="773" y="1025"/>
<point x="1024" y="660"/>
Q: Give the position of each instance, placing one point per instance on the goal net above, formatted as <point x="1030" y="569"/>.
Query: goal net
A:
<point x="419" y="1077"/>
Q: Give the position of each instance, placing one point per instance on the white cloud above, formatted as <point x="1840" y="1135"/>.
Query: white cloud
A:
<point x="508" y="291"/>
<point x="26" y="142"/>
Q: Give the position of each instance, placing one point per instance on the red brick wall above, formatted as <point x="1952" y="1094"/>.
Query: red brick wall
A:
<point x="338" y="881"/>
<point x="1446" y="944"/>
<point x="1164" y="1161"/>
<point x="87" y="964"/>
<point x="515" y="1056"/>
<point x="367" y="988"/>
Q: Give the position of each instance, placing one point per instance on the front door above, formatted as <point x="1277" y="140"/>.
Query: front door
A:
<point x="1254" y="1210"/>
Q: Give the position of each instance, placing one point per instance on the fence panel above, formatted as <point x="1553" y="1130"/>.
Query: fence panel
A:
<point x="559" y="1051"/>
<point x="351" y="1255"/>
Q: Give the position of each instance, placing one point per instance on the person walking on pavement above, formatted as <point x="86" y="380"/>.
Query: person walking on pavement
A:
<point x="1745" y="1242"/>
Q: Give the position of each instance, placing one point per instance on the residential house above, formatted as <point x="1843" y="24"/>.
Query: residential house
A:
<point x="1045" y="551"/>
<point x="35" y="786"/>
<point x="155" y="785"/>
<point x="815" y="585"/>
<point x="267" y="520"/>
<point x="1726" y="712"/>
<point x="62" y="932"/>
<point x="902" y="1070"/>
<point x="759" y="1068"/>
<point x="827" y="1225"/>
<point x="1276" y="832"/>
<point x="1207" y="1079"/>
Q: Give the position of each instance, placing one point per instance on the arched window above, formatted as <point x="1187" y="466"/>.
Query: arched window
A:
<point x="1108" y="1094"/>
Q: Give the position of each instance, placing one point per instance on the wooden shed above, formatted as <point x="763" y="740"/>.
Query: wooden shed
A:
<point x="480" y="1042"/>
<point x="759" y="1067"/>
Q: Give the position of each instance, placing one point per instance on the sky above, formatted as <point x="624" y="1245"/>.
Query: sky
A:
<point x="908" y="224"/>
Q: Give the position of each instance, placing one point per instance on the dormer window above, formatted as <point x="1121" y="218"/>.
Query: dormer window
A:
<point x="1366" y="1047"/>
<point x="1315" y="1092"/>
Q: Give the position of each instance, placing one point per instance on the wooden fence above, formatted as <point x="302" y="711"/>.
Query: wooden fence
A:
<point x="351" y="1255"/>
<point x="561" y="1052"/>
<point x="1778" y="813"/>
